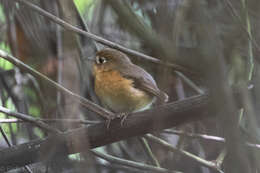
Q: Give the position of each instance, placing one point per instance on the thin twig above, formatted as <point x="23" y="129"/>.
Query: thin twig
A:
<point x="137" y="165"/>
<point x="100" y="39"/>
<point x="195" y="135"/>
<point x="206" y="137"/>
<point x="221" y="157"/>
<point x="28" y="119"/>
<point x="190" y="82"/>
<point x="149" y="152"/>
<point x="5" y="137"/>
<point x="250" y="46"/>
<point x="60" y="67"/>
<point x="86" y="28"/>
<point x="235" y="14"/>
<point x="199" y="160"/>
<point x="77" y="121"/>
<point x="26" y="167"/>
<point x="83" y="101"/>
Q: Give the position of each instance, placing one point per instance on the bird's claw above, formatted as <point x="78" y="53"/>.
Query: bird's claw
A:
<point x="123" y="117"/>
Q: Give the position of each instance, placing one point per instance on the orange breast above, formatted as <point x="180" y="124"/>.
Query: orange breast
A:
<point x="118" y="93"/>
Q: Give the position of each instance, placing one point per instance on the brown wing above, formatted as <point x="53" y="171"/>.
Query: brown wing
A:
<point x="143" y="80"/>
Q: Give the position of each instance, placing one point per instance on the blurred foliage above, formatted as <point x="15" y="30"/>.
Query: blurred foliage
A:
<point x="83" y="5"/>
<point x="9" y="128"/>
<point x="3" y="63"/>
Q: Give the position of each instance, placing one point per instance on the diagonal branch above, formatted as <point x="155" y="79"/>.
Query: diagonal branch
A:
<point x="29" y="119"/>
<point x="132" y="164"/>
<point x="83" y="101"/>
<point x="136" y="124"/>
<point x="203" y="162"/>
<point x="100" y="39"/>
<point x="27" y="168"/>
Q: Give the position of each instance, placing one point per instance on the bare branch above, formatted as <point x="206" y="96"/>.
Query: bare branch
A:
<point x="28" y="119"/>
<point x="199" y="160"/>
<point x="26" y="167"/>
<point x="149" y="152"/>
<point x="76" y="121"/>
<point x="136" y="124"/>
<point x="133" y="164"/>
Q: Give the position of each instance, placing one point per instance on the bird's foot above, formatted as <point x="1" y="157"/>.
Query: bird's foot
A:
<point x="122" y="116"/>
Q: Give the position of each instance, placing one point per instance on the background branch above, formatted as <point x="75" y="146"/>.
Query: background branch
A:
<point x="100" y="39"/>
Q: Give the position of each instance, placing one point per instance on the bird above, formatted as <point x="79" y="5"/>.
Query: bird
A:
<point x="122" y="86"/>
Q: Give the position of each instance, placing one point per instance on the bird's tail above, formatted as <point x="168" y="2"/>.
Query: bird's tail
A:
<point x="163" y="97"/>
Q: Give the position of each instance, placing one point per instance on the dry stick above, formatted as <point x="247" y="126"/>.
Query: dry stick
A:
<point x="99" y="39"/>
<point x="27" y="168"/>
<point x="76" y="121"/>
<point x="149" y="151"/>
<point x="29" y="119"/>
<point x="190" y="82"/>
<point x="168" y="131"/>
<point x="83" y="101"/>
<point x="115" y="159"/>
<point x="199" y="160"/>
<point x="142" y="166"/>
<point x="172" y="114"/>
<point x="118" y="160"/>
<point x="5" y="137"/>
<point x="206" y="137"/>
<point x="195" y="135"/>
<point x="221" y="157"/>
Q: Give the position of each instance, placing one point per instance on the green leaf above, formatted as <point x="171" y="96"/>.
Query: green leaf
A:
<point x="6" y="65"/>
<point x="34" y="111"/>
<point x="82" y="4"/>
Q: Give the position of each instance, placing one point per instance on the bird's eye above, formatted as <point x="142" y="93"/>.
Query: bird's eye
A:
<point x="101" y="60"/>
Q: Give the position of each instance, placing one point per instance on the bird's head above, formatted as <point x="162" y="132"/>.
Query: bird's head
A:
<point x="110" y="59"/>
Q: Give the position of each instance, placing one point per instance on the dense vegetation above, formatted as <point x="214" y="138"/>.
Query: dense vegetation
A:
<point x="202" y="53"/>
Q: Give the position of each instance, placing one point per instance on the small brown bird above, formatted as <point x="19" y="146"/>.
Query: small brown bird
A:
<point x="123" y="86"/>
